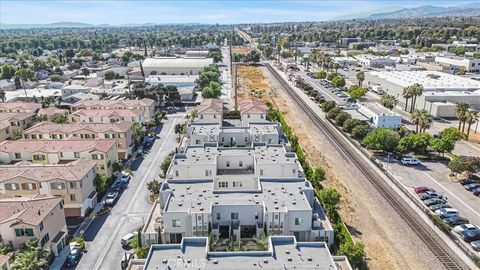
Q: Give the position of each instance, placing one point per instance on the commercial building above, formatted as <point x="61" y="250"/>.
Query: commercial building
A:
<point x="23" y="219"/>
<point x="103" y="152"/>
<point x="73" y="181"/>
<point x="175" y="66"/>
<point x="172" y="80"/>
<point x="122" y="132"/>
<point x="469" y="64"/>
<point x="361" y="45"/>
<point x="107" y="116"/>
<point x="146" y="105"/>
<point x="380" y="117"/>
<point x="346" y="41"/>
<point x="283" y="252"/>
<point x="373" y="61"/>
<point x="345" y="61"/>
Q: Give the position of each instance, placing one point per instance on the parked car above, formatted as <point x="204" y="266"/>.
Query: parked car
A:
<point x="149" y="140"/>
<point x="422" y="189"/>
<point x="126" y="258"/>
<point x="475" y="245"/>
<point x="464" y="228"/>
<point x="455" y="221"/>
<point x="468" y="182"/>
<point x="117" y="186"/>
<point x="447" y="212"/>
<point x="410" y="161"/>
<point x="74" y="257"/>
<point x="476" y="192"/>
<point x="471" y="187"/>
<point x="471" y="236"/>
<point x="436" y="207"/>
<point x="433" y="201"/>
<point x="127" y="238"/>
<point x="429" y="195"/>
<point x="125" y="177"/>
<point x="112" y="197"/>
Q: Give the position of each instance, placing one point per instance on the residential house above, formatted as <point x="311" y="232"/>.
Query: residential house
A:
<point x="55" y="151"/>
<point x="52" y="113"/>
<point x="210" y="111"/>
<point x="147" y="106"/>
<point x="121" y="131"/>
<point x="42" y="218"/>
<point x="17" y="122"/>
<point x="253" y="111"/>
<point x="20" y="107"/>
<point x="74" y="182"/>
<point x="107" y="116"/>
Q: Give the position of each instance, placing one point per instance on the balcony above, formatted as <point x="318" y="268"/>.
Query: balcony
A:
<point x="248" y="170"/>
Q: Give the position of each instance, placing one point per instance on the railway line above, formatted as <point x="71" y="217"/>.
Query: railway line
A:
<point x="414" y="221"/>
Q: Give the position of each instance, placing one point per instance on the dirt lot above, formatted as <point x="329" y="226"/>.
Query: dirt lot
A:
<point x="252" y="83"/>
<point x="389" y="243"/>
<point x="241" y="50"/>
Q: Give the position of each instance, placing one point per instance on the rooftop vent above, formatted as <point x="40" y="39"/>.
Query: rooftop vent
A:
<point x="287" y="251"/>
<point x="289" y="259"/>
<point x="265" y="261"/>
<point x="180" y="204"/>
<point x="309" y="259"/>
<point x="164" y="261"/>
<point x="215" y="261"/>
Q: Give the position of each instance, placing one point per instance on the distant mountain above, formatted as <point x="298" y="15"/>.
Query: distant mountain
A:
<point x="68" y="25"/>
<point x="471" y="9"/>
<point x="365" y="14"/>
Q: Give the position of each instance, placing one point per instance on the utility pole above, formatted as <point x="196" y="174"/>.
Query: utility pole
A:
<point x="233" y="70"/>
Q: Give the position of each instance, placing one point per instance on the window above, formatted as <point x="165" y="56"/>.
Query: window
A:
<point x="208" y="172"/>
<point x="228" y="163"/>
<point x="261" y="171"/>
<point x="24" y="232"/>
<point x="223" y="184"/>
<point x="76" y="155"/>
<point x="240" y="163"/>
<point x="57" y="185"/>
<point x="12" y="186"/>
<point x="237" y="184"/>
<point x="18" y="156"/>
<point x="90" y="119"/>
<point x="34" y="136"/>
<point x="294" y="171"/>
<point x="41" y="226"/>
<point x="298" y="221"/>
<point x="256" y="215"/>
<point x="38" y="157"/>
<point x="176" y="173"/>
<point x="73" y="197"/>
<point x="97" y="156"/>
<point x="262" y="116"/>
<point x="61" y="154"/>
<point x="29" y="186"/>
<point x="233" y="215"/>
<point x="44" y="240"/>
<point x="218" y="216"/>
<point x="246" y="139"/>
<point x="73" y="185"/>
<point x="248" y="115"/>
<point x="176" y="223"/>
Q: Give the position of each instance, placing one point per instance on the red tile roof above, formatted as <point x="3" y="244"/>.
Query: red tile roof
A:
<point x="50" y="111"/>
<point x="55" y="146"/>
<point x="53" y="128"/>
<point x="252" y="106"/>
<point x="28" y="211"/>
<point x="23" y="106"/>
<point x="210" y="106"/>
<point x="114" y="103"/>
<point x="108" y="113"/>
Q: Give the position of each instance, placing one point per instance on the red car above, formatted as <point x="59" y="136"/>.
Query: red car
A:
<point x="422" y="189"/>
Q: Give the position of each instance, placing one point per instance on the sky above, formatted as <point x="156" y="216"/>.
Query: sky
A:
<point x="210" y="12"/>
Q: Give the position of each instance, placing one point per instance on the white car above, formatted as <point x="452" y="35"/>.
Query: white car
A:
<point x="447" y="212"/>
<point x="127" y="238"/>
<point x="125" y="177"/>
<point x="465" y="227"/>
<point x="410" y="161"/>
<point x="475" y="245"/>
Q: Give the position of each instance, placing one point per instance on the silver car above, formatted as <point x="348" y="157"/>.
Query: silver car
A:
<point x="475" y="245"/>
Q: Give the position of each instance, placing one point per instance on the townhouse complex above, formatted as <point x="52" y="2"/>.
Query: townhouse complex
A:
<point x="147" y="106"/>
<point x="226" y="182"/>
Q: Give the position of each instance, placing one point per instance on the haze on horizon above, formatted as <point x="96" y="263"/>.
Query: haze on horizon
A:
<point x="209" y="12"/>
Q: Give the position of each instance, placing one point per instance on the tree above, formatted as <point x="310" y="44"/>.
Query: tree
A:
<point x="422" y="120"/>
<point x="85" y="71"/>
<point x="356" y="91"/>
<point x="416" y="91"/>
<point x="268" y="51"/>
<point x="216" y="55"/>
<point x="318" y="175"/>
<point x="30" y="257"/>
<point x="109" y="75"/>
<point x="2" y="95"/>
<point x="342" y="117"/>
<point x="213" y="90"/>
<point x="457" y="165"/>
<point x="414" y="142"/>
<point x="382" y="139"/>
<point x="328" y="105"/>
<point x="355" y="253"/>
<point x="166" y="164"/>
<point x="321" y="74"/>
<point x="60" y="119"/>
<point x="138" y="133"/>
<point x="360" y="77"/>
<point x="7" y="72"/>
<point x="359" y="132"/>
<point x="154" y="187"/>
<point x="407" y="94"/>
<point x="332" y="114"/>
<point x="330" y="198"/>
<point x="471" y="118"/>
<point x="351" y="123"/>
<point x="331" y="76"/>
<point x="101" y="183"/>
<point x="461" y="111"/>
<point x="338" y="81"/>
<point x="25" y="74"/>
<point x="388" y="101"/>
<point x="446" y="141"/>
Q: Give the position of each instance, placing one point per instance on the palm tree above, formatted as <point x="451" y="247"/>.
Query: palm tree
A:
<point x="360" y="77"/>
<point x="417" y="90"/>
<point x="471" y="118"/>
<point x="407" y="94"/>
<point x="416" y="118"/>
<point x="426" y="120"/>
<point x="2" y="95"/>
<point x="388" y="101"/>
<point x="461" y="110"/>
<point x="336" y="66"/>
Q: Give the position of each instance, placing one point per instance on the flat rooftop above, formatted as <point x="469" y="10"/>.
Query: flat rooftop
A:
<point x="283" y="253"/>
<point x="200" y="196"/>
<point x="254" y="129"/>
<point x="431" y="80"/>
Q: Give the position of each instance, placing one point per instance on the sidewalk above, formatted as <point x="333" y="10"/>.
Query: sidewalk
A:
<point x="60" y="259"/>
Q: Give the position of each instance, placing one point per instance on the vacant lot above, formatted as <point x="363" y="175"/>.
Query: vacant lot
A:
<point x="241" y="50"/>
<point x="252" y="83"/>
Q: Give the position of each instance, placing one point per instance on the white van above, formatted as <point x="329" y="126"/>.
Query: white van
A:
<point x="410" y="161"/>
<point x="447" y="212"/>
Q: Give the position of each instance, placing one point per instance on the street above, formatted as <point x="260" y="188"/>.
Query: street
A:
<point x="102" y="238"/>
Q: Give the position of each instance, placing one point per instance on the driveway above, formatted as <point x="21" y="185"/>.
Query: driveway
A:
<point x="131" y="210"/>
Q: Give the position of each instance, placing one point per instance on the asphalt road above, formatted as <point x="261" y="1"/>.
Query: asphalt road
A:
<point x="102" y="238"/>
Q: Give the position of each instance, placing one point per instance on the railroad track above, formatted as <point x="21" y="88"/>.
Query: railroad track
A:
<point x="413" y="220"/>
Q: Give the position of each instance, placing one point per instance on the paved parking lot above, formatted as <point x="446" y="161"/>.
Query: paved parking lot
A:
<point x="435" y="175"/>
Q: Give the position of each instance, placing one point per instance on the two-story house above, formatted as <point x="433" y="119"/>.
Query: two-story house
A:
<point x="147" y="106"/>
<point x="107" y="116"/>
<point x="253" y="111"/>
<point x="20" y="107"/>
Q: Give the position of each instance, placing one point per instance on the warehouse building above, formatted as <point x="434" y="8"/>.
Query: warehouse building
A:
<point x="175" y="66"/>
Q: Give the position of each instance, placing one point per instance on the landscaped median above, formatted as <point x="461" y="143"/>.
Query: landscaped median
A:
<point x="330" y="198"/>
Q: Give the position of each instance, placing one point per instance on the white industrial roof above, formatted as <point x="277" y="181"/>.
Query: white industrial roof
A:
<point x="172" y="62"/>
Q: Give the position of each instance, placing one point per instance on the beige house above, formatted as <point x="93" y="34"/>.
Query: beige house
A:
<point x="253" y="111"/>
<point x="74" y="182"/>
<point x="22" y="107"/>
<point x="42" y="218"/>
<point x="103" y="152"/>
<point x="107" y="116"/>
<point x="210" y="111"/>
<point x="16" y="121"/>
<point x="147" y="106"/>
<point x="52" y="112"/>
<point x="4" y="131"/>
<point x="121" y="131"/>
